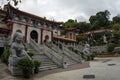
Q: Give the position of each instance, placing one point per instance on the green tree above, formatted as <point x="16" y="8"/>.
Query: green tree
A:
<point x="101" y="19"/>
<point x="70" y="23"/>
<point x="92" y="19"/>
<point x="15" y="2"/>
<point x="116" y="19"/>
<point x="83" y="27"/>
<point x="116" y="33"/>
<point x="81" y="38"/>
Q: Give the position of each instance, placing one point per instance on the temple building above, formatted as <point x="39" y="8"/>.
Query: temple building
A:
<point x="69" y="39"/>
<point x="31" y="26"/>
<point x="41" y="36"/>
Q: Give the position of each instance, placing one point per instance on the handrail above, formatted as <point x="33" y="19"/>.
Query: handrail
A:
<point x="53" y="55"/>
<point x="35" y="45"/>
<point x="48" y="52"/>
<point x="98" y="49"/>
<point x="56" y="48"/>
<point x="79" y="48"/>
<point x="71" y="54"/>
<point x="68" y="53"/>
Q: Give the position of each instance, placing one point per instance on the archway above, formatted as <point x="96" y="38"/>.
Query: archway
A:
<point x="19" y="31"/>
<point x="1" y="50"/>
<point x="46" y="38"/>
<point x="34" y="35"/>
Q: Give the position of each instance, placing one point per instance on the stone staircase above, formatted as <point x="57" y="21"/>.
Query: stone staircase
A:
<point x="72" y="55"/>
<point x="51" y="56"/>
<point x="3" y="40"/>
<point x="64" y="54"/>
<point x="46" y="63"/>
<point x="54" y="56"/>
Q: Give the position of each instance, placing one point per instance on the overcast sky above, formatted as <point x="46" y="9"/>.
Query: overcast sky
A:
<point x="62" y="10"/>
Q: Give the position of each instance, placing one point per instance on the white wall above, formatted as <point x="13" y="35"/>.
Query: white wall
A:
<point x="56" y="34"/>
<point x="30" y="29"/>
<point x="49" y="33"/>
<point x="18" y="27"/>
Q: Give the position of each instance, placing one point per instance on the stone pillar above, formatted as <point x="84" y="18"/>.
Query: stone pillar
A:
<point x="26" y="31"/>
<point x="52" y="36"/>
<point x="10" y="26"/>
<point x="41" y="42"/>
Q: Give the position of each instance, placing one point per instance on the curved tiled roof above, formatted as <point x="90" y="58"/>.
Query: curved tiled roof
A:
<point x="32" y="16"/>
<point x="63" y="38"/>
<point x="98" y="31"/>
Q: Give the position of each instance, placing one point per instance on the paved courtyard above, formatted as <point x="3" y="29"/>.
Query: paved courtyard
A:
<point x="101" y="68"/>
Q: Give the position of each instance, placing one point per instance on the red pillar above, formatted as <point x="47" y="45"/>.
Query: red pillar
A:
<point x="26" y="30"/>
<point x="41" y="36"/>
<point x="10" y="26"/>
<point x="51" y="36"/>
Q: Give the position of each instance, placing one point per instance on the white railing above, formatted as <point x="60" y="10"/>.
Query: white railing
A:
<point x="53" y="55"/>
<point x="4" y="41"/>
<point x="67" y="52"/>
<point x="57" y="49"/>
<point x="71" y="54"/>
<point x="35" y="45"/>
<point x="48" y="52"/>
<point x="79" y="48"/>
<point x="96" y="49"/>
<point x="99" y="49"/>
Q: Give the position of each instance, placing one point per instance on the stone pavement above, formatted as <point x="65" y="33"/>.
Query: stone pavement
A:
<point x="6" y="75"/>
<point x="100" y="69"/>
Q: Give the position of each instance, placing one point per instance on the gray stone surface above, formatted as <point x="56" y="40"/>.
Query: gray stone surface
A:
<point x="88" y="76"/>
<point x="17" y="52"/>
<point x="1" y="77"/>
<point x="116" y="50"/>
<point x="101" y="71"/>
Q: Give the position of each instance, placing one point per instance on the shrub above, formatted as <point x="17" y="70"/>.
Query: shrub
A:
<point x="76" y="51"/>
<point x="82" y="54"/>
<point x="30" y="53"/>
<point x="70" y="48"/>
<point x="36" y="64"/>
<point x="26" y="66"/>
<point x="60" y="46"/>
<point x="111" y="46"/>
<point x="5" y="56"/>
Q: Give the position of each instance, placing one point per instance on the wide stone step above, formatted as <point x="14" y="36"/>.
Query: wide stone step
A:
<point x="46" y="63"/>
<point x="42" y="59"/>
<point x="69" y="61"/>
<point x="50" y="67"/>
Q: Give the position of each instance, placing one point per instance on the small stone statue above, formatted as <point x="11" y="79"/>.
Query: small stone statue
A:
<point x="17" y="52"/>
<point x="86" y="51"/>
<point x="104" y="39"/>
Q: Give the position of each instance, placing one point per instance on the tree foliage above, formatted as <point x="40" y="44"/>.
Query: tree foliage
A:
<point x="116" y="19"/>
<point x="101" y="19"/>
<point x="83" y="27"/>
<point x="116" y="31"/>
<point x="70" y="23"/>
<point x="15" y="2"/>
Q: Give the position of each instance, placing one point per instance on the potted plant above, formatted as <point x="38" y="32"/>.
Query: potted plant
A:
<point x="5" y="56"/>
<point x="26" y="66"/>
<point x="36" y="65"/>
<point x="30" y="53"/>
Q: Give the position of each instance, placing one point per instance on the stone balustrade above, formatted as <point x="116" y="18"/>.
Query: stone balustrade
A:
<point x="94" y="49"/>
